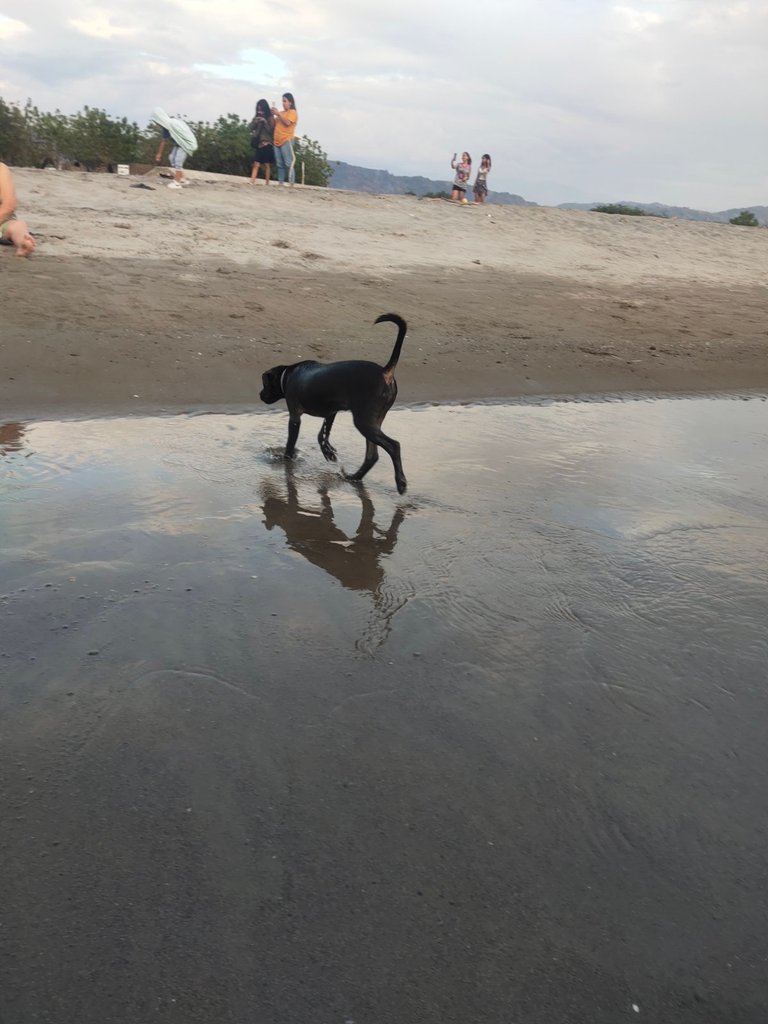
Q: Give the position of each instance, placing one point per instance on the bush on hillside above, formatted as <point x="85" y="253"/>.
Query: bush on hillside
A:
<point x="316" y="169"/>
<point x="745" y="219"/>
<point x="626" y="211"/>
<point x="223" y="147"/>
<point x="91" y="138"/>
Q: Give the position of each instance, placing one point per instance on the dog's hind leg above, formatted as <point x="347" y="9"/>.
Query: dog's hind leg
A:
<point x="323" y="438"/>
<point x="374" y="437"/>
<point x="371" y="458"/>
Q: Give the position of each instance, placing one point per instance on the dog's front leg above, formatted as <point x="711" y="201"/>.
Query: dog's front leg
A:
<point x="323" y="437"/>
<point x="294" y="424"/>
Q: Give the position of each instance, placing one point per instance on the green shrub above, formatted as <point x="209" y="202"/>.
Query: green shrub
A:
<point x="317" y="170"/>
<point x="626" y="211"/>
<point x="223" y="147"/>
<point x="745" y="219"/>
<point x="31" y="138"/>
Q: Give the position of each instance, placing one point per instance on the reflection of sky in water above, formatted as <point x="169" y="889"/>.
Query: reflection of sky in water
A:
<point x="519" y="519"/>
<point x="508" y="726"/>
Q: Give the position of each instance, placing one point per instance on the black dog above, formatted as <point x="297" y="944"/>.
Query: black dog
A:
<point x="365" y="389"/>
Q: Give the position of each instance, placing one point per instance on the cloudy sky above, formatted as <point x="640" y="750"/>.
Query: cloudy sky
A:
<point x="576" y="100"/>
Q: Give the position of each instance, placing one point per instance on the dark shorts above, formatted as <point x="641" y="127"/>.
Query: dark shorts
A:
<point x="460" y="187"/>
<point x="263" y="154"/>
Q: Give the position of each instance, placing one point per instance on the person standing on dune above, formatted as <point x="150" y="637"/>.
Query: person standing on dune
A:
<point x="481" y="181"/>
<point x="285" y="130"/>
<point x="262" y="129"/>
<point x="463" y="170"/>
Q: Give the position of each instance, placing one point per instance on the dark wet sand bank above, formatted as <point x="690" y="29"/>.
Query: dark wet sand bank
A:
<point x="122" y="336"/>
<point x="278" y="750"/>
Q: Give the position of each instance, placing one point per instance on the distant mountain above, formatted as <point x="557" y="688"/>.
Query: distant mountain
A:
<point x="363" y="179"/>
<point x="683" y="212"/>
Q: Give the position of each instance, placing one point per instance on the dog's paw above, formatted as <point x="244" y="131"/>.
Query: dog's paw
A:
<point x="401" y="486"/>
<point x="329" y="454"/>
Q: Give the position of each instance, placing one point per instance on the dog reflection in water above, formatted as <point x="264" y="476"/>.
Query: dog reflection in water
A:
<point x="11" y="437"/>
<point x="311" y="531"/>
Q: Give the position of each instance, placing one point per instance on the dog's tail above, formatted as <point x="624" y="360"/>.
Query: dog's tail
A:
<point x="402" y="327"/>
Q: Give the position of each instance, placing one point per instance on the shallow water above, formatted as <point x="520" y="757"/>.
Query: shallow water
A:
<point x="492" y="750"/>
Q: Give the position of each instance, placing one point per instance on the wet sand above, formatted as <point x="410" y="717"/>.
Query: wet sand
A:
<point x="279" y="749"/>
<point x="140" y="300"/>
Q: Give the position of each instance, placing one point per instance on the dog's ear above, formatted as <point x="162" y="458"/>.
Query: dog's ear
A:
<point x="271" y="390"/>
<point x="271" y="377"/>
<point x="277" y="374"/>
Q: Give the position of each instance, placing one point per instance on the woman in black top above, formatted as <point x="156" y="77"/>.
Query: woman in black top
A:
<point x="262" y="129"/>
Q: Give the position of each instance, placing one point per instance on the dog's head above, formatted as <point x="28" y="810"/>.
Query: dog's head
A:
<point x="272" y="385"/>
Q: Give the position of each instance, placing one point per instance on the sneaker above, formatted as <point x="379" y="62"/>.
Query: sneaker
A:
<point x="286" y="183"/>
<point x="174" y="184"/>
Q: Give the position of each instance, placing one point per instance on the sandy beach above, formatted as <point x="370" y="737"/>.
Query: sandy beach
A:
<point x="280" y="748"/>
<point x="140" y="298"/>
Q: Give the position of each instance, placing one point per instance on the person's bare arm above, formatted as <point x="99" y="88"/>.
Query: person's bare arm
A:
<point x="7" y="194"/>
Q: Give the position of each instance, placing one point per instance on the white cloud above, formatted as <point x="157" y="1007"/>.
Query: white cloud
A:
<point x="636" y="20"/>
<point x="160" y="70"/>
<point x="645" y="100"/>
<point x="99" y="25"/>
<point x="10" y="28"/>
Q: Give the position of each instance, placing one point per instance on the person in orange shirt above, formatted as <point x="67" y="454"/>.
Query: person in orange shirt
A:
<point x="285" y="129"/>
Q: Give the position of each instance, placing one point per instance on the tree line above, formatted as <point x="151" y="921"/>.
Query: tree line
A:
<point x="93" y="139"/>
<point x="745" y="219"/>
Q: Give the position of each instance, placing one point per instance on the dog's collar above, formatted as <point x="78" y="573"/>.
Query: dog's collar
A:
<point x="282" y="379"/>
